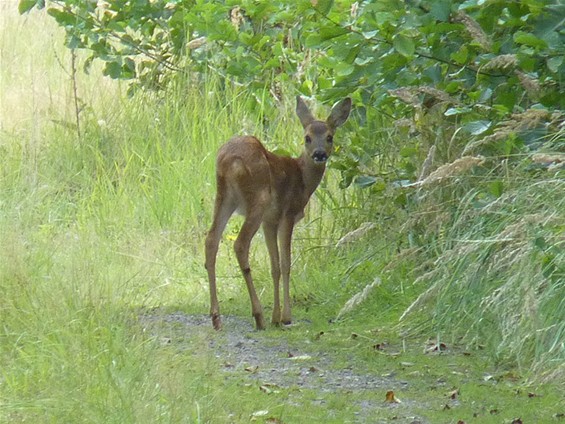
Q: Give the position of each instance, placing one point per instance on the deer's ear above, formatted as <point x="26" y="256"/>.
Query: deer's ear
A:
<point x="339" y="114"/>
<point x="304" y="114"/>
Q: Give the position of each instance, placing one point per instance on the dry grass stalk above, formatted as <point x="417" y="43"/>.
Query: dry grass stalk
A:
<point x="459" y="166"/>
<point x="404" y="122"/>
<point x="358" y="298"/>
<point x="442" y="96"/>
<point x="196" y="43"/>
<point x="518" y="122"/>
<point x="504" y="62"/>
<point x="103" y="10"/>
<point x="409" y="95"/>
<point x="428" y="275"/>
<point x="401" y="256"/>
<point x="552" y="160"/>
<point x="496" y="136"/>
<point x="236" y="17"/>
<point x="354" y="10"/>
<point x="356" y="234"/>
<point x="530" y="84"/>
<point x="406" y="95"/>
<point x="422" y="299"/>
<point x="473" y="29"/>
<point x="527" y="120"/>
<point x="426" y="166"/>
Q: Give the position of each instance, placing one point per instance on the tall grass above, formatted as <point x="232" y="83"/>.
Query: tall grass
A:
<point x="98" y="227"/>
<point x="497" y="279"/>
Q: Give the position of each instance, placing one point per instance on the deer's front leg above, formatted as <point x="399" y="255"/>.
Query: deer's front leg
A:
<point x="270" y="231"/>
<point x="241" y="245"/>
<point x="285" y="234"/>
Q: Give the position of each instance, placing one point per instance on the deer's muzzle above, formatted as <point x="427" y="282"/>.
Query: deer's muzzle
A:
<point x="319" y="156"/>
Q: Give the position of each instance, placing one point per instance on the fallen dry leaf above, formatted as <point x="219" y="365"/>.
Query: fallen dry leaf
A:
<point x="265" y="389"/>
<point x="453" y="394"/>
<point x="252" y="369"/>
<point x="300" y="357"/>
<point x="258" y="414"/>
<point x="380" y="346"/>
<point x="269" y="388"/>
<point x="517" y="421"/>
<point x="391" y="398"/>
<point x="436" y="348"/>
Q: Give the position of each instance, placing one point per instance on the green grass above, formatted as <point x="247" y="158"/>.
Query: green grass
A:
<point x="499" y="278"/>
<point x="96" y="229"/>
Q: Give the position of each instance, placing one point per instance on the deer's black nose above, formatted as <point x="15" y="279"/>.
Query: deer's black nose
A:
<point x="319" y="156"/>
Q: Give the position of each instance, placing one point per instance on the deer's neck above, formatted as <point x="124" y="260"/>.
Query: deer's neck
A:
<point x="312" y="173"/>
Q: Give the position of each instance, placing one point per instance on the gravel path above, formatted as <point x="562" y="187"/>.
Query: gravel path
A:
<point x="272" y="362"/>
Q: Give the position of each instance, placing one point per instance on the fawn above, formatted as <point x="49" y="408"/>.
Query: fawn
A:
<point x="273" y="191"/>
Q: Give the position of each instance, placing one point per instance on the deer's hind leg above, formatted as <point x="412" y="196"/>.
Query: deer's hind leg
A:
<point x="253" y="218"/>
<point x="223" y="210"/>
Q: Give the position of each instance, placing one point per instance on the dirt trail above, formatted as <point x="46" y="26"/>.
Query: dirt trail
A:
<point x="273" y="362"/>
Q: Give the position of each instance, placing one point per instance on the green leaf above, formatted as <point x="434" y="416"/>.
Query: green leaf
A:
<point x="128" y="68"/>
<point x="540" y="242"/>
<point x="477" y="127"/>
<point x="368" y="35"/>
<point x="407" y="152"/>
<point x="26" y="5"/>
<point x="365" y="181"/>
<point x="496" y="188"/>
<point x="441" y="9"/>
<point x="324" y="6"/>
<point x="529" y="39"/>
<point x="460" y="56"/>
<point x="486" y="95"/>
<point x="313" y="41"/>
<point x="456" y="111"/>
<point x="343" y="69"/>
<point x="62" y="17"/>
<point x="113" y="70"/>
<point x="87" y="64"/>
<point x="327" y="33"/>
<point x="555" y="63"/>
<point x="403" y="45"/>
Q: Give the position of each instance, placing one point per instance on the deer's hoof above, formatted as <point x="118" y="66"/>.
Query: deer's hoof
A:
<point x="216" y="322"/>
<point x="260" y="322"/>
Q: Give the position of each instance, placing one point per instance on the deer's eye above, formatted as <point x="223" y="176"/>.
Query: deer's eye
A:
<point x="330" y="139"/>
<point x="308" y="139"/>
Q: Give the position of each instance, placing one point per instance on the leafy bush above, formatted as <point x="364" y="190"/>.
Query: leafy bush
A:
<point x="459" y="112"/>
<point x="442" y="71"/>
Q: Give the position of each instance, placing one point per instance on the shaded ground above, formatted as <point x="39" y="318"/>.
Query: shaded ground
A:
<point x="274" y="362"/>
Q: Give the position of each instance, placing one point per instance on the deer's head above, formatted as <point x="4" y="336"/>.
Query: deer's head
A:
<point x="318" y="135"/>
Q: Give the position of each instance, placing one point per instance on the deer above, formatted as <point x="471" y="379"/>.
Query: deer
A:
<point x="271" y="191"/>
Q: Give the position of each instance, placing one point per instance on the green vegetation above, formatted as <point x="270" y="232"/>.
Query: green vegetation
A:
<point x="106" y="191"/>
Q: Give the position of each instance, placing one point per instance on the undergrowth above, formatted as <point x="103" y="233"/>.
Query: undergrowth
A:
<point x="496" y="279"/>
<point x="97" y="228"/>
